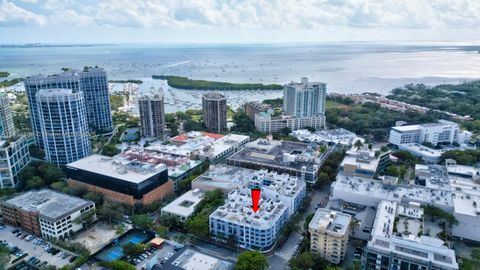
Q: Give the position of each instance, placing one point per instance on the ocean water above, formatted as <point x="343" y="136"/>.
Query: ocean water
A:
<point x="345" y="67"/>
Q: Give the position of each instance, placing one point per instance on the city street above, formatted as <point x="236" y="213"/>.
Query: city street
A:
<point x="281" y="257"/>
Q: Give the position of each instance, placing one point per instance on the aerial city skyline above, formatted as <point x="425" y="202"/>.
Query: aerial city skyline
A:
<point x="239" y="135"/>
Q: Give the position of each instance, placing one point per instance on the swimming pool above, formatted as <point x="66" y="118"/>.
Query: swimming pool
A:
<point x="114" y="250"/>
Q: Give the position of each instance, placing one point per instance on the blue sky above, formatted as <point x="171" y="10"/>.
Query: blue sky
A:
<point x="203" y="21"/>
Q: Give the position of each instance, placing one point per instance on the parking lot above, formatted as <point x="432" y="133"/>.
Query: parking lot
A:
<point x="35" y="247"/>
<point x="158" y="256"/>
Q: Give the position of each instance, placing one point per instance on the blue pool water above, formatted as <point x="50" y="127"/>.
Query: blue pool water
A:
<point x="115" y="252"/>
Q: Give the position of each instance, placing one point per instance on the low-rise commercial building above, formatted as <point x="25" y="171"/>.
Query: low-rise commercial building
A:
<point x="179" y="167"/>
<point x="329" y="234"/>
<point x="364" y="162"/>
<point x="427" y="154"/>
<point x="294" y="158"/>
<point x="398" y="242"/>
<point x="184" y="206"/>
<point x="46" y="213"/>
<point x="221" y="148"/>
<point x="204" y="146"/>
<point x="280" y="198"/>
<point x="452" y="188"/>
<point x="120" y="180"/>
<point x="14" y="156"/>
<point x="328" y="136"/>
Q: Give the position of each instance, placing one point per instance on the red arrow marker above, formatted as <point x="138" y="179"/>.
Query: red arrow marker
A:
<point x="256" y="199"/>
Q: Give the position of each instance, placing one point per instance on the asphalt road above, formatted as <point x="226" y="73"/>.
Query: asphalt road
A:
<point x="281" y="257"/>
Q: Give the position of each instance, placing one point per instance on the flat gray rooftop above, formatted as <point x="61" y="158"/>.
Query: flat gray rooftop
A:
<point x="272" y="153"/>
<point x="120" y="168"/>
<point x="50" y="204"/>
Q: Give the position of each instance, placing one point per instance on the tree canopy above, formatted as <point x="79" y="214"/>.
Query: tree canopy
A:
<point x="143" y="222"/>
<point x="186" y="83"/>
<point x="251" y="260"/>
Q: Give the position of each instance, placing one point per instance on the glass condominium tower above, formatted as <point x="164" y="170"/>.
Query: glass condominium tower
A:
<point x="64" y="127"/>
<point x="91" y="81"/>
<point x="94" y="85"/>
<point x="7" y="127"/>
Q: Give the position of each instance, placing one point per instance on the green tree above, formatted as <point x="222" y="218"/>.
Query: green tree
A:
<point x="110" y="211"/>
<point x="475" y="253"/>
<point x="251" y="260"/>
<point x="392" y="171"/>
<point x="110" y="150"/>
<point x="242" y="122"/>
<point x="304" y="260"/>
<point x="323" y="179"/>
<point x="198" y="225"/>
<point x="192" y="125"/>
<point x="34" y="183"/>
<point x="4" y="257"/>
<point x="142" y="222"/>
<point x="358" y="144"/>
<point x="161" y="231"/>
<point x="118" y="265"/>
<point x="308" y="218"/>
<point x="131" y="249"/>
<point x="402" y="171"/>
<point x="97" y="198"/>
<point x="120" y="229"/>
<point x="60" y="186"/>
<point x="50" y="173"/>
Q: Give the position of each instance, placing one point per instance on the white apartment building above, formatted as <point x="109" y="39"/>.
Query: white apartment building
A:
<point x="435" y="133"/>
<point x="410" y="138"/>
<point x="397" y="241"/>
<point x="227" y="178"/>
<point x="281" y="196"/>
<point x="329" y="234"/>
<point x="304" y="99"/>
<point x="265" y="122"/>
<point x="303" y="106"/>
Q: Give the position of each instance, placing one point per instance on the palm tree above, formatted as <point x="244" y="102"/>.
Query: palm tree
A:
<point x="475" y="253"/>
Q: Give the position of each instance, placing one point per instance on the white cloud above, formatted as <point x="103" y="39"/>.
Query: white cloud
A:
<point x="70" y="16"/>
<point x="13" y="15"/>
<point x="252" y="14"/>
<point x="291" y="14"/>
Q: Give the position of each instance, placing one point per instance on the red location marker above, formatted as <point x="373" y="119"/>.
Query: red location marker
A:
<point x="256" y="199"/>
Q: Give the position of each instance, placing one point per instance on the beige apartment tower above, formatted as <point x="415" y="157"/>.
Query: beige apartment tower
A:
<point x="214" y="111"/>
<point x="329" y="233"/>
<point x="152" y="115"/>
